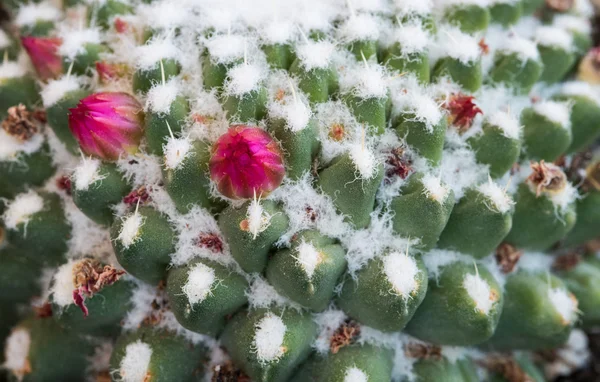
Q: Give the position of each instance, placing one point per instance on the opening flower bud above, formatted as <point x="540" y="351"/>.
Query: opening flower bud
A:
<point x="43" y="52"/>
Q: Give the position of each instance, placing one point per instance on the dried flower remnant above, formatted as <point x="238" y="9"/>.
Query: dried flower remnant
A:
<point x="210" y="241"/>
<point x="140" y="195"/>
<point x="345" y="335"/>
<point x="89" y="277"/>
<point x="20" y="123"/>
<point x="462" y="111"/>
<point x="546" y="177"/>
<point x="507" y="257"/>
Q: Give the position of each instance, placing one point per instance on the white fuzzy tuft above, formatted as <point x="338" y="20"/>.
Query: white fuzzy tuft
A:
<point x="413" y="38"/>
<point x="149" y="55"/>
<point x="269" y="337"/>
<point x="258" y="219"/>
<point x="564" y="198"/>
<point x="55" y="90"/>
<point x="556" y="112"/>
<point x="161" y="96"/>
<point x="87" y="173"/>
<point x="360" y="28"/>
<point x="5" y="40"/>
<point x="21" y="209"/>
<point x="460" y="170"/>
<point x="408" y="7"/>
<point x="507" y="123"/>
<point x="226" y="48"/>
<point x="564" y="303"/>
<point x="554" y="37"/>
<point x="535" y="262"/>
<point x="364" y="160"/>
<point x="580" y="88"/>
<point x="480" y="292"/>
<point x="74" y="41"/>
<point x="277" y="32"/>
<point x="199" y="283"/>
<point x="401" y="271"/>
<point x="243" y="79"/>
<point x="11" y="147"/>
<point x="354" y="374"/>
<point x="315" y="55"/>
<point x="296" y="113"/>
<point x="164" y="15"/>
<point x="308" y="257"/>
<point x="176" y="150"/>
<point x="499" y="199"/>
<point x="11" y="69"/>
<point x="365" y="81"/>
<point x="436" y="259"/>
<point x="16" y="352"/>
<point x="524" y="48"/>
<point x="261" y="294"/>
<point x="63" y="286"/>
<point x="134" y="365"/>
<point x="572" y="23"/>
<point x="458" y="45"/>
<point x="31" y="13"/>
<point x="434" y="188"/>
<point x="130" y="231"/>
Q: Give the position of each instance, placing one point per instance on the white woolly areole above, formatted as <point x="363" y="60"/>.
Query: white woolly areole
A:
<point x="200" y="280"/>
<point x="460" y="170"/>
<point x="63" y="286"/>
<point x="134" y="365"/>
<point x="364" y="161"/>
<point x="130" y="231"/>
<point x="296" y="113"/>
<point x="155" y="50"/>
<point x="365" y="81"/>
<point x="226" y="48"/>
<point x="572" y="23"/>
<point x="87" y="173"/>
<point x="74" y="41"/>
<point x="479" y="291"/>
<point x="22" y="208"/>
<point x="55" y="90"/>
<point x="31" y="13"/>
<point x="11" y="147"/>
<point x="564" y="304"/>
<point x="243" y="79"/>
<point x="524" y="48"/>
<point x="258" y="219"/>
<point x="554" y="37"/>
<point x="434" y="188"/>
<point x="277" y="32"/>
<point x="581" y="88"/>
<point x="315" y="54"/>
<point x="436" y="259"/>
<point x="309" y="258"/>
<point x="563" y="198"/>
<point x="535" y="262"/>
<point x="507" y="123"/>
<point x="458" y="45"/>
<point x="11" y="69"/>
<point x="161" y="96"/>
<point x="406" y="7"/>
<point x="360" y="28"/>
<point x="4" y="39"/>
<point x="16" y="351"/>
<point x="409" y="98"/>
<point x="401" y="271"/>
<point x="176" y="150"/>
<point x="165" y="14"/>
<point x="413" y="38"/>
<point x="268" y="338"/>
<point x="556" y="112"/>
<point x="354" y="374"/>
<point x="500" y="200"/>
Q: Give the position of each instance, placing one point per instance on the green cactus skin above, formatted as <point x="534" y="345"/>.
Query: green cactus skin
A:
<point x="251" y="252"/>
<point x="29" y="169"/>
<point x="469" y="18"/>
<point x="468" y="76"/>
<point x="104" y="13"/>
<point x="584" y="282"/>
<point x="475" y="226"/>
<point x="189" y="183"/>
<point x="449" y="315"/>
<point x="44" y="237"/>
<point x="374" y="362"/>
<point x="148" y="257"/>
<point x="494" y="148"/>
<point x="96" y="201"/>
<point x="84" y="62"/>
<point x="227" y="296"/>
<point x="58" y="118"/>
<point x="543" y="138"/>
<point x="433" y="370"/>
<point x="38" y="29"/>
<point x="12" y="50"/>
<point x="530" y="6"/>
<point x="415" y="63"/>
<point x="156" y="130"/>
<point x="506" y="14"/>
<point x="585" y="121"/>
<point x="19" y="279"/>
<point x="288" y="276"/>
<point x="537" y="224"/>
<point x="583" y="43"/>
<point x="418" y="215"/>
<point x="429" y="144"/>
<point x="213" y="73"/>
<point x="318" y="84"/>
<point x="14" y="91"/>
<point x="249" y="107"/>
<point x="510" y="70"/>
<point x="557" y="63"/>
<point x="468" y="370"/>
<point x="529" y="321"/>
<point x="279" y="56"/>
<point x="299" y="147"/>
<point x="588" y="220"/>
<point x="370" y="111"/>
<point x="143" y="80"/>
<point x="363" y="48"/>
<point x="370" y="299"/>
<point x="238" y="339"/>
<point x="352" y="195"/>
<point x="173" y="357"/>
<point x="106" y="311"/>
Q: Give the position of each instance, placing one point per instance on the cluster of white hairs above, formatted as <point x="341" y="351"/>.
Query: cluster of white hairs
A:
<point x="238" y="28"/>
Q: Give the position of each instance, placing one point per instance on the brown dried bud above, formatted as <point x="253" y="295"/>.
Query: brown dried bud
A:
<point x="507" y="257"/>
<point x="423" y="351"/>
<point x="507" y="367"/>
<point x="560" y="5"/>
<point x="546" y="178"/>
<point x="227" y="372"/>
<point x="566" y="262"/>
<point x="20" y="123"/>
<point x="345" y="335"/>
<point x="209" y="240"/>
<point x="397" y="164"/>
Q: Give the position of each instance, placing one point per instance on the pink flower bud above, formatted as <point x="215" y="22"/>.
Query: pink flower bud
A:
<point x="107" y="124"/>
<point x="43" y="52"/>
<point x="110" y="71"/>
<point x="245" y="162"/>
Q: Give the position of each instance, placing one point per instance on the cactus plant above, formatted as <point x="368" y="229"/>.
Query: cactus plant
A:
<point x="310" y="190"/>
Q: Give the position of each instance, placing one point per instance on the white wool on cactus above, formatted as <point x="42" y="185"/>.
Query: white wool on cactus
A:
<point x="269" y="337"/>
<point x="21" y="209"/>
<point x="200" y="281"/>
<point x="136" y="362"/>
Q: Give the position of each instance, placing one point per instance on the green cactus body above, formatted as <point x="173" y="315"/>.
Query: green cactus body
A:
<point x="250" y="338"/>
<point x="479" y="222"/>
<point x="530" y="6"/>
<point x="588" y="219"/>
<point x="546" y="136"/>
<point x="370" y="111"/>
<point x="557" y="62"/>
<point x="38" y="28"/>
<point x="15" y="90"/>
<point x="144" y="79"/>
<point x="279" y="56"/>
<point x="143" y="241"/>
<point x="308" y="272"/>
<point x="158" y="124"/>
<point x="102" y="14"/>
<point x="299" y="147"/>
<point x="462" y="307"/>
<point x="431" y="370"/>
<point x="585" y="114"/>
<point x="96" y="195"/>
<point x="470" y="18"/>
<point x="538" y="313"/>
<point x="251" y="106"/>
<point x="467" y="75"/>
<point x="158" y="355"/>
<point x="417" y="63"/>
<point x="527" y="367"/>
<point x="428" y="142"/>
<point x="19" y="277"/>
<point x="58" y="117"/>
<point x="30" y="165"/>
<point x="84" y="62"/>
<point x="379" y="298"/>
<point x="251" y="231"/>
<point x="506" y="13"/>
<point x="520" y="73"/>
<point x="366" y="48"/>
<point x="214" y="73"/>
<point x="317" y="83"/>
<point x="497" y="147"/>
<point x="422" y="210"/>
<point x="584" y="282"/>
<point x="203" y="294"/>
<point x="352" y="192"/>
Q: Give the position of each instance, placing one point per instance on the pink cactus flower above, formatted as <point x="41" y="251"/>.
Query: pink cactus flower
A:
<point x="107" y="124"/>
<point x="246" y="162"/>
<point x="43" y="52"/>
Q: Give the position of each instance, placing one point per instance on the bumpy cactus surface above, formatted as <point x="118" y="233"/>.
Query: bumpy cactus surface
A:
<point x="301" y="190"/>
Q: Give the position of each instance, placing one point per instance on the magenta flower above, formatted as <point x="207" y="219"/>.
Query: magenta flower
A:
<point x="107" y="124"/>
<point x="43" y="52"/>
<point x="245" y="162"/>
